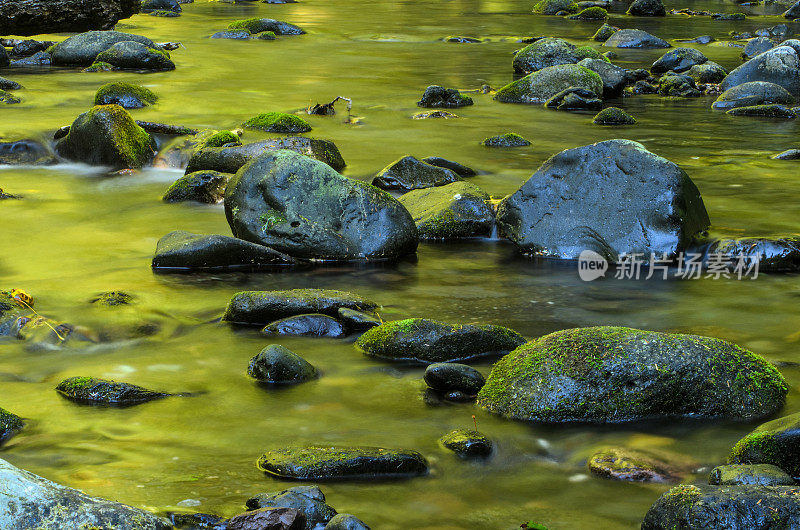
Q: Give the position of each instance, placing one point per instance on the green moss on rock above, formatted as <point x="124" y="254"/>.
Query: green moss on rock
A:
<point x="551" y="7"/>
<point x="127" y="95"/>
<point x="590" y="13"/>
<point x="506" y="140"/>
<point x="278" y="122"/>
<point x="613" y="116"/>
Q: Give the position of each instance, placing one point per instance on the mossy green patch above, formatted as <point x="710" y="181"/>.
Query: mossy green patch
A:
<point x="278" y="122"/>
<point x="120" y="93"/>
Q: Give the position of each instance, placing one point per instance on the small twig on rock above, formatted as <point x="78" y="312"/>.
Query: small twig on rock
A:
<point x="327" y="108"/>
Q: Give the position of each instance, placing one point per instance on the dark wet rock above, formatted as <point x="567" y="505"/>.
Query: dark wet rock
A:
<point x="336" y="463"/>
<point x="428" y="341"/>
<point x="345" y="521"/>
<point x="4" y="196"/>
<point x="267" y="519"/>
<point x="635" y="38"/>
<point x="99" y="67"/>
<point x="779" y="65"/>
<point x="20" y="150"/>
<point x="647" y="204"/>
<point x="434" y="114"/>
<point x="164" y="13"/>
<point x="540" y="86"/>
<point x="200" y="186"/>
<point x="310" y="325"/>
<point x="757" y="46"/>
<point x="779" y="112"/>
<point x="613" y="116"/>
<point x="793" y="12"/>
<point x="459" y="169"/>
<point x="8" y="84"/>
<point x="458" y="39"/>
<point x="604" y="32"/>
<point x="643" y="87"/>
<point x="678" y="60"/>
<point x="106" y="135"/>
<point x="615" y="374"/>
<point x="454" y="211"/>
<point x="240" y="34"/>
<point x="702" y="39"/>
<point x="113" y="299"/>
<point x="10" y="424"/>
<point x="268" y="202"/>
<point x="258" y="25"/>
<point x="148" y="6"/>
<point x="728" y="16"/>
<point x="647" y="8"/>
<point x="28" y="47"/>
<point x="262" y="307"/>
<point x="126" y="95"/>
<point x="789" y="154"/>
<point x="436" y="96"/>
<point x="467" y="444"/>
<point x="82" y="49"/>
<point x="358" y="320"/>
<point x="130" y="55"/>
<point x="93" y="391"/>
<point x="678" y="85"/>
<point x="30" y="501"/>
<point x="553" y="7"/>
<point x="753" y="93"/>
<point x="776" y="442"/>
<point x="230" y="159"/>
<point x="574" y="98"/>
<point x="614" y="78"/>
<point x="708" y="72"/>
<point x="630" y="465"/>
<point x="506" y="140"/>
<point x="184" y="250"/>
<point x="276" y="364"/>
<point x="409" y="173"/>
<point x="278" y="122"/>
<point x="751" y="475"/>
<point x="4" y="60"/>
<point x="590" y="13"/>
<point x="195" y="521"/>
<point x="545" y="52"/>
<point x="741" y="507"/>
<point x="447" y="377"/>
<point x="309" y="500"/>
<point x="8" y="98"/>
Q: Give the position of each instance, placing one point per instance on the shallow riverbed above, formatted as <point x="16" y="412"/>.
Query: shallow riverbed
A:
<point x="78" y="233"/>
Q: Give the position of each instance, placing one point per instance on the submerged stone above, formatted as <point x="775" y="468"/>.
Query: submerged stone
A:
<point x="358" y="320"/>
<point x="779" y="112"/>
<point x="310" y="325"/>
<point x="506" y="140"/>
<point x="308" y="500"/>
<point x="94" y="391"/>
<point x="635" y="38"/>
<point x="467" y="444"/>
<point x="545" y="52"/>
<point x="258" y="25"/>
<point x="278" y="122"/>
<point x="459" y="169"/>
<point x="229" y="159"/>
<point x="449" y="377"/>
<point x="631" y="465"/>
<point x="454" y="211"/>
<point x="184" y="250"/>
<point x="647" y="8"/>
<point x="615" y="374"/>
<point x="345" y="521"/>
<point x="126" y="95"/>
<point x="409" y="173"/>
<point x="276" y="364"/>
<point x="428" y="341"/>
<point x="753" y="93"/>
<point x="267" y="519"/>
<point x="337" y="463"/>
<point x="540" y="86"/>
<point x="754" y="474"/>
<point x="613" y="116"/>
<point x="83" y="48"/>
<point x="436" y="96"/>
<point x="262" y="307"/>
<point x="130" y="55"/>
<point x="10" y="424"/>
<point x="17" y="150"/>
<point x="678" y="60"/>
<point x="776" y="442"/>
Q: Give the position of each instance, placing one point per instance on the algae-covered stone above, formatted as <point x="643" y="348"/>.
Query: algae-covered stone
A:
<point x="773" y="254"/>
<point x="678" y="85"/>
<point x="10" y="424"/>
<point x="259" y="25"/>
<point x="8" y="98"/>
<point x="467" y="444"/>
<point x="590" y="13"/>
<point x="613" y="116"/>
<point x="428" y="341"/>
<point x="678" y="60"/>
<point x="540" y="86"/>
<point x="276" y="364"/>
<point x="83" y="48"/>
<point x="308" y="500"/>
<point x="229" y="159"/>
<point x="460" y="169"/>
<point x="448" y="377"/>
<point x="789" y="154"/>
<point x="130" y="55"/>
<point x="436" y="96"/>
<point x="647" y="8"/>
<point x="753" y="93"/>
<point x="708" y="72"/>
<point x="94" y="391"/>
<point x="574" y="98"/>
<point x="776" y="442"/>
<point x="183" y="250"/>
<point x="30" y="501"/>
<point x="126" y="95"/>
<point x="779" y="65"/>
<point x="304" y="208"/>
<point x="757" y="46"/>
<point x="635" y="38"/>
<point x="543" y="53"/>
<point x="278" y="122"/>
<point x="551" y="7"/>
<point x="266" y="519"/>
<point x="200" y="186"/>
<point x="266" y="35"/>
<point x="107" y="135"/>
<point x="506" y="140"/>
<point x="262" y="307"/>
<point x="604" y="32"/>
<point x="616" y="374"/>
<point x="17" y="150"/>
<point x="310" y="325"/>
<point x="779" y="112"/>
<point x="631" y="465"/>
<point x="409" y="173"/>
<point x="346" y="521"/>
<point x="737" y="507"/>
<point x="454" y="211"/>
<point x="331" y="463"/>
<point x="753" y="474"/>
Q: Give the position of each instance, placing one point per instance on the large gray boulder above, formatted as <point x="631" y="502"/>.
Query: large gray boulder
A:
<point x="542" y="85"/>
<point x="81" y="49"/>
<point x="304" y="208"/>
<point x="454" y="211"/>
<point x="613" y="197"/>
<point x="30" y="501"/>
<point x="753" y="93"/>
<point x="635" y="38"/>
<point x="779" y="65"/>
<point x="546" y="52"/>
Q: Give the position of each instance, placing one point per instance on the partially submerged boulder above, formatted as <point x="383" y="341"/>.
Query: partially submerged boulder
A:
<point x="278" y="365"/>
<point x="613" y="116"/>
<point x="181" y="250"/>
<point x="94" y="391"/>
<point x="753" y="93"/>
<point x="635" y="38"/>
<point x="776" y="442"/>
<point x="409" y="173"/>
<point x="678" y="60"/>
<point x="545" y="52"/>
<point x="779" y="65"/>
<point x="505" y="140"/>
<point x="454" y="211"/>
<point x="82" y="49"/>
<point x="647" y="8"/>
<point x="309" y="500"/>
<point x="467" y="443"/>
<point x="615" y="374"/>
<point x="259" y="25"/>
<point x="262" y="307"/>
<point x="541" y="85"/>
<point x="631" y="465"/>
<point x="20" y="150"/>
<point x="201" y="186"/>
<point x="309" y="325"/>
<point x="752" y="474"/>
<point x="436" y="96"/>
<point x="779" y="112"/>
<point x="278" y="122"/>
<point x="129" y="55"/>
<point x="449" y="377"/>
<point x="126" y="95"/>
<point x="332" y="463"/>
<point x="10" y="424"/>
<point x="614" y="77"/>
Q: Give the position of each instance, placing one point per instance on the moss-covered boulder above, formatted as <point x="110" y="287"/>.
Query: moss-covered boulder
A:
<point x="8" y="98"/>
<point x="83" y="48"/>
<point x="753" y="93"/>
<point x="200" y="186"/>
<point x="604" y="32"/>
<point x="239" y="34"/>
<point x="545" y="52"/>
<point x="540" y="86"/>
<point x="436" y="96"/>
<point x="505" y="140"/>
<point x="776" y="442"/>
<point x="778" y="112"/>
<point x="615" y="374"/>
<point x="678" y="60"/>
<point x="309" y="500"/>
<point x="181" y="250"/>
<point x="574" y="98"/>
<point x="678" y="85"/>
<point x="126" y="95"/>
<point x="590" y="13"/>
<point x="304" y="208"/>
<point x="635" y="38"/>
<point x="552" y="7"/>
<point x="107" y="135"/>
<point x="94" y="391"/>
<point x="266" y="35"/>
<point x="310" y="325"/>
<point x="708" y="72"/>
<point x="278" y="122"/>
<point x="10" y="424"/>
<point x="428" y="341"/>
<point x="255" y="308"/>
<point x="632" y="465"/>
<point x="741" y="507"/>
<point x="752" y="474"/>
<point x="467" y="443"/>
<point x="259" y="25"/>
<point x="278" y="365"/>
<point x="613" y="116"/>
<point x="409" y="173"/>
<point x="332" y="463"/>
<point x="647" y="8"/>
<point x="129" y="55"/>
<point x="454" y="211"/>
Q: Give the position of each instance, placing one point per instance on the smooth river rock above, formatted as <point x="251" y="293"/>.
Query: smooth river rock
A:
<point x="184" y="250"/>
<point x="262" y="307"/>
<point x="337" y="463"/>
<point x="94" y="391"/>
<point x="776" y="442"/>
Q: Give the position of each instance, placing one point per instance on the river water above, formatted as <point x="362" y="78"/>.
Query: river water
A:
<point x="78" y="233"/>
